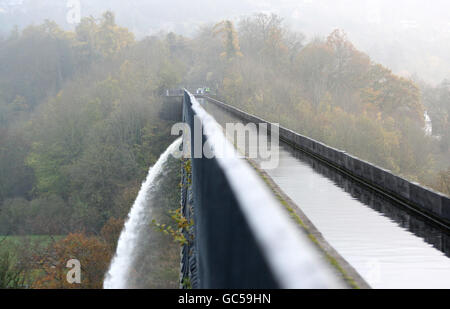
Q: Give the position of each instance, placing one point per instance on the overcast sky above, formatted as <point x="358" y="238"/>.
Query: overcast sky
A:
<point x="409" y="36"/>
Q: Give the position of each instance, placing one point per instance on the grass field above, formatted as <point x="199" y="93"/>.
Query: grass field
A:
<point x="17" y="246"/>
<point x="15" y="243"/>
<point x="34" y="239"/>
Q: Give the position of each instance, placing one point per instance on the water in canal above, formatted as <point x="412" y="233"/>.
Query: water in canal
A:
<point x="387" y="245"/>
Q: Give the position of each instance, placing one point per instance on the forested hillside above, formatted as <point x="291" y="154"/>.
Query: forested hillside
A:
<point x="79" y="123"/>
<point x="79" y="128"/>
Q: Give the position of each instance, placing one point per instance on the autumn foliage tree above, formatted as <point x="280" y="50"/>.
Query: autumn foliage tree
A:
<point x="111" y="232"/>
<point x="230" y="39"/>
<point x="94" y="256"/>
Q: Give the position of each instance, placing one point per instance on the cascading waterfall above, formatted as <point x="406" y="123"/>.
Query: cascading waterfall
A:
<point x="118" y="272"/>
<point x="428" y="125"/>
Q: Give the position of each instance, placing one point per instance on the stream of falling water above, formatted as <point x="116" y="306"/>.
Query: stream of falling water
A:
<point x="428" y="125"/>
<point x="117" y="275"/>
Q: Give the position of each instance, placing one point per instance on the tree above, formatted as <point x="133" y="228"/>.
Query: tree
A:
<point x="262" y="34"/>
<point x="100" y="39"/>
<point x="94" y="256"/>
<point x="36" y="63"/>
<point x="15" y="177"/>
<point x="111" y="232"/>
<point x="230" y="40"/>
<point x="348" y="70"/>
<point x="313" y="68"/>
<point x="111" y="38"/>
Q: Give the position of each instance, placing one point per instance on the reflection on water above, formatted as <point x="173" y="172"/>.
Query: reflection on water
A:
<point x="403" y="217"/>
<point x="387" y="245"/>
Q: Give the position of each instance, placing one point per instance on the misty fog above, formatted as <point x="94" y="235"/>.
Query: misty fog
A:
<point x="412" y="37"/>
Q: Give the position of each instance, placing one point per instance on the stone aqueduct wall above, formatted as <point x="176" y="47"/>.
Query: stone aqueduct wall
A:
<point x="235" y="239"/>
